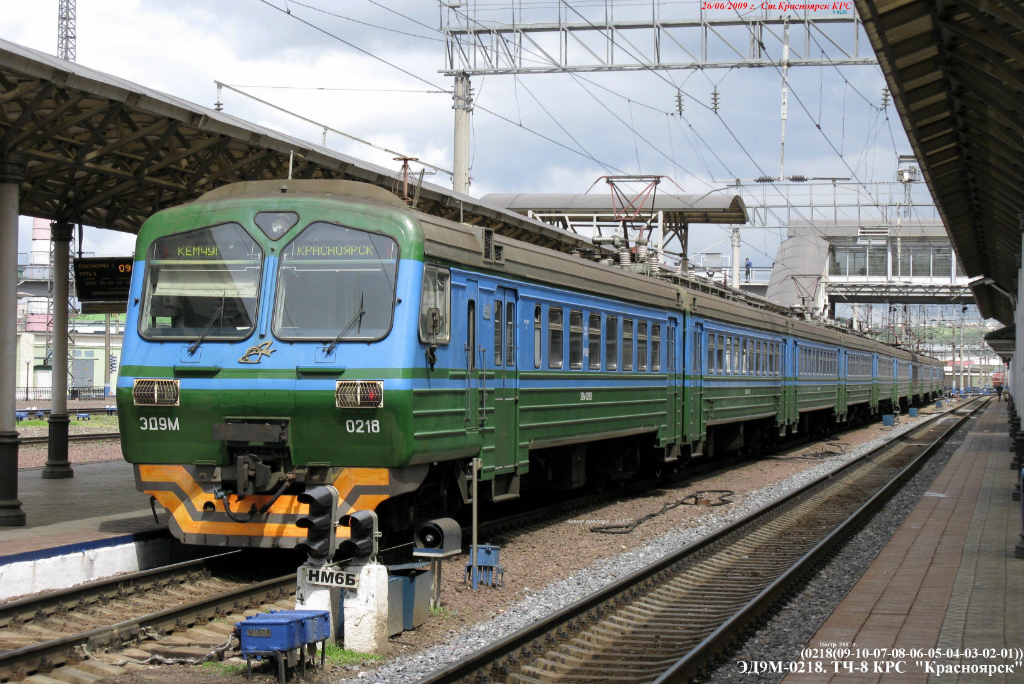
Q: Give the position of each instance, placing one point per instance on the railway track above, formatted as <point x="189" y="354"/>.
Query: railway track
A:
<point x="40" y="633"/>
<point x="670" y="621"/>
<point x="81" y="437"/>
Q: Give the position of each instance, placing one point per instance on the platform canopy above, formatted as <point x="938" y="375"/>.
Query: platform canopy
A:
<point x="1003" y="341"/>
<point x="108" y="153"/>
<point x="706" y="208"/>
<point x="956" y="71"/>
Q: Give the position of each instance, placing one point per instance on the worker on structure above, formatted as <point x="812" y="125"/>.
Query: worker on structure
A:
<point x="748" y="266"/>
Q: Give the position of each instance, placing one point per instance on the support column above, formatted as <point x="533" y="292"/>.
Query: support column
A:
<point x="12" y="172"/>
<point x="463" y="106"/>
<point x="57" y="466"/>
<point x="735" y="257"/>
<point x="106" y="358"/>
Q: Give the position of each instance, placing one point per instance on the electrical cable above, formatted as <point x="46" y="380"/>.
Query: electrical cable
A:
<point x="364" y="23"/>
<point x="423" y="80"/>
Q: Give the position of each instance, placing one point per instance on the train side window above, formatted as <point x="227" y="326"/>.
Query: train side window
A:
<point x="751" y="359"/>
<point x="510" y="334"/>
<point x="594" y="342"/>
<point x="656" y="348"/>
<point x="736" y="356"/>
<point x="611" y="344"/>
<point x="758" y="359"/>
<point x="435" y="298"/>
<point x="555" y="348"/>
<point x="575" y="339"/>
<point x="728" y="356"/>
<point x="538" y="337"/>
<point x="641" y="345"/>
<point x="627" y="344"/>
<point x="498" y="330"/>
<point x="744" y="361"/>
<point x="710" y="370"/>
<point x="471" y="336"/>
<point x="720" y="368"/>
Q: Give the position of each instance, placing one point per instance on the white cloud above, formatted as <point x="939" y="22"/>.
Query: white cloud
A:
<point x="182" y="46"/>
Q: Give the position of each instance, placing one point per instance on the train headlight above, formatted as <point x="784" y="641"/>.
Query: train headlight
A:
<point x="359" y="394"/>
<point x="155" y="392"/>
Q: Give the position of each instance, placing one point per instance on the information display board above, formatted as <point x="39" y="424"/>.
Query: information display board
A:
<point x="102" y="284"/>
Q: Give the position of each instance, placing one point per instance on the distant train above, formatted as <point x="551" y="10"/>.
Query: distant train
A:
<point x="329" y="334"/>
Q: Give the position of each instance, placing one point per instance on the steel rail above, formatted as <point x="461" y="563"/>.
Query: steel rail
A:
<point x="41" y="605"/>
<point x="80" y="437"/>
<point x="56" y="652"/>
<point x="722" y="638"/>
<point x="494" y="660"/>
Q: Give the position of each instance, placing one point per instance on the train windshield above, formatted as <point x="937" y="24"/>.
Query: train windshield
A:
<point x="203" y="281"/>
<point x="336" y="283"/>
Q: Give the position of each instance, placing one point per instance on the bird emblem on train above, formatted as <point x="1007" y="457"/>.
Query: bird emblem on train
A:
<point x="255" y="353"/>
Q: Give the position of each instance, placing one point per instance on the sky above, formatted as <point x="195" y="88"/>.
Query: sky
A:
<point x="339" y="63"/>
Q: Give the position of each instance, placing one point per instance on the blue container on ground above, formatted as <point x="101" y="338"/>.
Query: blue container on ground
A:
<point x="938" y="404"/>
<point x="282" y="635"/>
<point x="888" y="420"/>
<point x="913" y="413"/>
<point x="417" y="580"/>
<point x="396" y="606"/>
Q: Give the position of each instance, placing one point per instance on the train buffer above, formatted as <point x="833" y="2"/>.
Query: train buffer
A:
<point x="285" y="636"/>
<point x="20" y="415"/>
<point x="488" y="570"/>
<point x="83" y="416"/>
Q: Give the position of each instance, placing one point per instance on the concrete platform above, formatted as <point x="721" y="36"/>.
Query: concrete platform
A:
<point x="946" y="581"/>
<point x="100" y="501"/>
<point x="81" y="529"/>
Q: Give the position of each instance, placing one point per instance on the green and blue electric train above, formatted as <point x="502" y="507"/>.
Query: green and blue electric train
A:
<point x="282" y="337"/>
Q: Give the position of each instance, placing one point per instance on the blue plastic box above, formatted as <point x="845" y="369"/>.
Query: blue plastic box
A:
<point x="282" y="631"/>
<point x="888" y="419"/>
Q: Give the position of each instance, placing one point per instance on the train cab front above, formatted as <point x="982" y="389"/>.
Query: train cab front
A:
<point x="253" y="369"/>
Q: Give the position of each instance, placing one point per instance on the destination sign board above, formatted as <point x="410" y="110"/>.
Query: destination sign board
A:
<point x="103" y="279"/>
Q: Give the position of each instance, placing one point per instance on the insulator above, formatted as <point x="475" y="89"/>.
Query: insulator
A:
<point x="765" y="179"/>
<point x="624" y="257"/>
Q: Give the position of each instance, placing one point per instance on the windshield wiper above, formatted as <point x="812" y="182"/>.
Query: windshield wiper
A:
<point x="202" y="336"/>
<point x="358" y="317"/>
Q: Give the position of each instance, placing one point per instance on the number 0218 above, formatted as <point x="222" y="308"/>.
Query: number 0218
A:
<point x="362" y="426"/>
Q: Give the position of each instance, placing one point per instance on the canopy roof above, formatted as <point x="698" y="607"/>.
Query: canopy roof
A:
<point x="707" y="208"/>
<point x="956" y="71"/>
<point x="109" y="153"/>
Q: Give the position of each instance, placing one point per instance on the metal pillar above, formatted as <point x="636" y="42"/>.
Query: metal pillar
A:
<point x="735" y="256"/>
<point x="12" y="172"/>
<point x="106" y="358"/>
<point x="57" y="466"/>
<point x="463" y="106"/>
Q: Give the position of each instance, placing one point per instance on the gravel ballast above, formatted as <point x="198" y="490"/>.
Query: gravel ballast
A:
<point x="540" y="602"/>
<point x="796" y="621"/>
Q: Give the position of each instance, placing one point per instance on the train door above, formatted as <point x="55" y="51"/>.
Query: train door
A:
<point x="674" y="380"/>
<point x="697" y="415"/>
<point x="472" y="365"/>
<point x="506" y="380"/>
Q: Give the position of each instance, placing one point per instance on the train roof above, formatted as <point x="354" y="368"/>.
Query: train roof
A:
<point x="460" y="243"/>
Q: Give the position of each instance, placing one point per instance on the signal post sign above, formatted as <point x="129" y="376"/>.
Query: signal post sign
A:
<point x="331" y="576"/>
